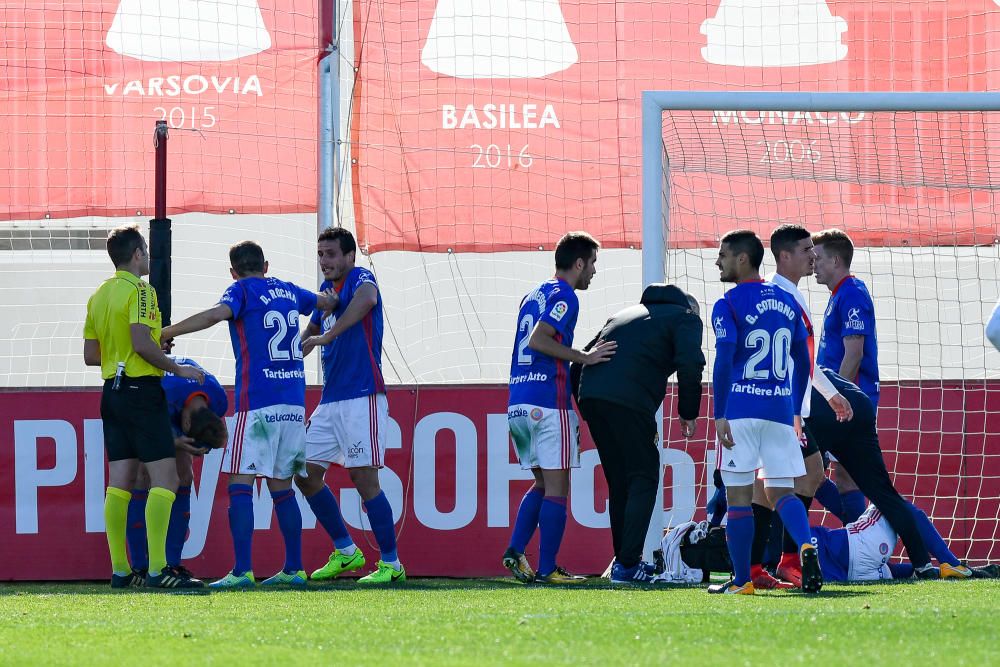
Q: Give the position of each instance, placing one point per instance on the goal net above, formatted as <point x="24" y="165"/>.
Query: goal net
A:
<point x="912" y="178"/>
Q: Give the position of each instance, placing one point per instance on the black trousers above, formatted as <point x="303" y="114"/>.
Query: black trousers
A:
<point x="626" y="443"/>
<point x="855" y="444"/>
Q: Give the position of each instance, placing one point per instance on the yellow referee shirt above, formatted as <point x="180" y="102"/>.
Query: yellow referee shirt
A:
<point x="123" y="300"/>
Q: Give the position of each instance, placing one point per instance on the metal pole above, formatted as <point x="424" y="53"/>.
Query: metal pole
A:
<point x="160" y="235"/>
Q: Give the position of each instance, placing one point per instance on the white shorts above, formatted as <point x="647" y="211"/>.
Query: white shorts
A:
<point x="545" y="437"/>
<point x="870" y="543"/>
<point x="267" y="442"/>
<point x="350" y="433"/>
<point x="763" y="445"/>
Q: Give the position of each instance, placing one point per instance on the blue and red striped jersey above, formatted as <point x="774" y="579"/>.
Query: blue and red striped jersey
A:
<point x="265" y="334"/>
<point x="535" y="378"/>
<point x="352" y="363"/>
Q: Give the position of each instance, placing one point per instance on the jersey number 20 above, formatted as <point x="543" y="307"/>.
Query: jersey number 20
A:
<point x="278" y="348"/>
<point x="777" y="345"/>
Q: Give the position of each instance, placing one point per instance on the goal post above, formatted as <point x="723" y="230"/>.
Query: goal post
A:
<point x="914" y="179"/>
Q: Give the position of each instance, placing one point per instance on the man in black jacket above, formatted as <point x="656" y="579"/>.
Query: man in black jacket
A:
<point x="619" y="400"/>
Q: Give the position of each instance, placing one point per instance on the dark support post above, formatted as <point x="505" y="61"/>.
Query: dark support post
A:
<point x="159" y="227"/>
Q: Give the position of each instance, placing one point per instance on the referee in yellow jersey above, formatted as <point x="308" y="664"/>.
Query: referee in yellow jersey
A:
<point x="122" y="336"/>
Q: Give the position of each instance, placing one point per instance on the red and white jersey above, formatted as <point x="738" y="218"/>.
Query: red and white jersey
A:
<point x="871" y="541"/>
<point x="791" y="288"/>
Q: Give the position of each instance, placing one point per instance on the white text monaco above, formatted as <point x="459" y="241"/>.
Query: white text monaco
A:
<point x="193" y="84"/>
<point x="498" y="116"/>
<point x="530" y="377"/>
<point x="787" y="117"/>
<point x="738" y="388"/>
<point x="283" y="375"/>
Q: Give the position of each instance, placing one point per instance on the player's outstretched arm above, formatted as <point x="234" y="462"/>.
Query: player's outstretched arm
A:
<point x="198" y="322"/>
<point x="361" y="304"/>
<point x="146" y="347"/>
<point x="543" y="340"/>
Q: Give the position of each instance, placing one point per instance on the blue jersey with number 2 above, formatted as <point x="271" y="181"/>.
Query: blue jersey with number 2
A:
<point x="762" y="320"/>
<point x="265" y="336"/>
<point x="536" y="378"/>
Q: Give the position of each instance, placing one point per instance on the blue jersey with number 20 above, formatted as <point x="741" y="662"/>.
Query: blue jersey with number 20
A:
<point x="536" y="378"/>
<point x="762" y="320"/>
<point x="265" y="336"/>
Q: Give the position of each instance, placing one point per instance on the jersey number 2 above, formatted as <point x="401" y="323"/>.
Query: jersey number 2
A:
<point x="524" y="329"/>
<point x="777" y="345"/>
<point x="293" y="349"/>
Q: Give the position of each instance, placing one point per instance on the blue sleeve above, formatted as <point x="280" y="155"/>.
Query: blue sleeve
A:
<point x="722" y="377"/>
<point x="234" y="297"/>
<point x="800" y="356"/>
<point x="857" y="314"/>
<point x="723" y="322"/>
<point x="307" y="301"/>
<point x="561" y="311"/>
<point x="317" y="314"/>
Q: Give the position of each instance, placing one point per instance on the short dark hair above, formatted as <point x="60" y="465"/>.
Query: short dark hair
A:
<point x="786" y="237"/>
<point x="343" y="236"/>
<point x="207" y="428"/>
<point x="122" y="244"/>
<point x="573" y="246"/>
<point x="742" y="241"/>
<point x="246" y="257"/>
<point x="836" y="242"/>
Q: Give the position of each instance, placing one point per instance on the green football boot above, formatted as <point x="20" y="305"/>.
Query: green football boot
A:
<point x="297" y="579"/>
<point x="385" y="574"/>
<point x="338" y="564"/>
<point x="232" y="581"/>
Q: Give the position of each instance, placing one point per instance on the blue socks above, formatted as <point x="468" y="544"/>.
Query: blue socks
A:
<point x="793" y="515"/>
<point x="932" y="539"/>
<point x="380" y="515"/>
<point x="290" y="522"/>
<point x="324" y="506"/>
<point x="527" y="519"/>
<point x="241" y="525"/>
<point x="177" y="529"/>
<point x="854" y="505"/>
<point x="551" y="526"/>
<point x="829" y="497"/>
<point x="739" y="538"/>
<point x="135" y="530"/>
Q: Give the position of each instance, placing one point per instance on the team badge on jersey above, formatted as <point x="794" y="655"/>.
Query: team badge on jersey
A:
<point x="559" y="311"/>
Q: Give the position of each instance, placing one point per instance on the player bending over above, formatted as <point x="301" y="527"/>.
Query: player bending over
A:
<point x="196" y="415"/>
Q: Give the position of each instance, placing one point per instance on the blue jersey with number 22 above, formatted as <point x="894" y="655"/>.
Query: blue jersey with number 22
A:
<point x="265" y="336"/>
<point x="536" y="378"/>
<point x="762" y="320"/>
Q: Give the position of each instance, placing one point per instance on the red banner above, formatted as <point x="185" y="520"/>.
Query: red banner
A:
<point x="85" y="80"/>
<point x="498" y="126"/>
<point x="480" y="126"/>
<point x="454" y="484"/>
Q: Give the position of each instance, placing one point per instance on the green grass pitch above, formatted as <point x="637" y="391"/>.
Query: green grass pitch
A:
<point x="499" y="622"/>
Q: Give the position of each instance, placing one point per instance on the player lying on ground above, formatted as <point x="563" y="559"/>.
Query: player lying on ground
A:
<point x="861" y="550"/>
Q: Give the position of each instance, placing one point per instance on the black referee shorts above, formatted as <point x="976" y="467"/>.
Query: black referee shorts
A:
<point x="811" y="445"/>
<point x="136" y="420"/>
